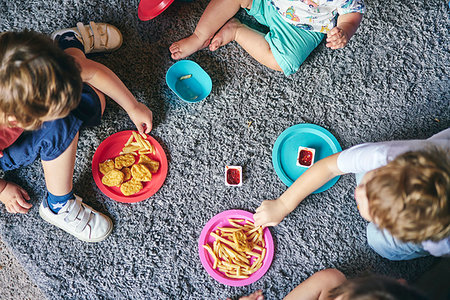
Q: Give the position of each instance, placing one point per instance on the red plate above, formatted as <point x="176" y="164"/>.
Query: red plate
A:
<point x="148" y="9"/>
<point x="109" y="149"/>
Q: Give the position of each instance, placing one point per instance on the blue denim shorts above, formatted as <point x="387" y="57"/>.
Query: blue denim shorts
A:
<point x="290" y="45"/>
<point x="53" y="138"/>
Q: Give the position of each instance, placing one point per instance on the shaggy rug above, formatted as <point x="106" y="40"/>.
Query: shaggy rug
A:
<point x="390" y="82"/>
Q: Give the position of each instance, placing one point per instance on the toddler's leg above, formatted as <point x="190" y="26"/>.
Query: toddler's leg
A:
<point x="59" y="172"/>
<point x="57" y="144"/>
<point x="251" y="40"/>
<point x="65" y="210"/>
<point x="216" y="14"/>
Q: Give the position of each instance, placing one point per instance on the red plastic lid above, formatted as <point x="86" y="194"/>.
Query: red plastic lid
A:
<point x="148" y="9"/>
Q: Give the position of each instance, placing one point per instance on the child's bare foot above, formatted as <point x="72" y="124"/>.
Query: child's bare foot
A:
<point x="187" y="46"/>
<point x="225" y="35"/>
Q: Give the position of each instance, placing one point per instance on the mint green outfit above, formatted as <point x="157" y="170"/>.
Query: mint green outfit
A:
<point x="290" y="45"/>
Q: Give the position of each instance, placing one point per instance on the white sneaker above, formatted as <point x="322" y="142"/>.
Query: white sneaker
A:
<point x="95" y="37"/>
<point x="78" y="219"/>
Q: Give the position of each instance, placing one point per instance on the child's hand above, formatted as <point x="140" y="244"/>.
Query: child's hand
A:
<point x="142" y="117"/>
<point x="14" y="197"/>
<point x="270" y="213"/>
<point x="337" y="38"/>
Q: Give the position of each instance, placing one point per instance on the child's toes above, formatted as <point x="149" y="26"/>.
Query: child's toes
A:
<point x="176" y="55"/>
<point x="215" y="44"/>
<point x="174" y="48"/>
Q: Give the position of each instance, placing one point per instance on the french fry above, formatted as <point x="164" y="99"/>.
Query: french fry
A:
<point x="122" y="153"/>
<point x="130" y="148"/>
<point x="136" y="137"/>
<point x="150" y="147"/>
<point x="185" y="77"/>
<point x="236" y="220"/>
<point x="253" y="230"/>
<point x="144" y="152"/>
<point x="258" y="248"/>
<point x="237" y="276"/>
<point x="208" y="248"/>
<point x="226" y="229"/>
<point x="130" y="139"/>
<point x="143" y="142"/>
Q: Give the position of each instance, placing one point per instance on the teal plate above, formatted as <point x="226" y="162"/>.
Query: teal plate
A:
<point x="285" y="151"/>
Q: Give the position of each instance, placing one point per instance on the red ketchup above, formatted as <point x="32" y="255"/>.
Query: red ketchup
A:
<point x="233" y="176"/>
<point x="305" y="157"/>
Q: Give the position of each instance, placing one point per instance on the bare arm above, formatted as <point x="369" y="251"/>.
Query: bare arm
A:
<point x="317" y="286"/>
<point x="272" y="212"/>
<point x="346" y="27"/>
<point x="103" y="79"/>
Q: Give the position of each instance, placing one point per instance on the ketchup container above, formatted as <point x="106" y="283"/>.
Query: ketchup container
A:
<point x="305" y="157"/>
<point x="233" y="175"/>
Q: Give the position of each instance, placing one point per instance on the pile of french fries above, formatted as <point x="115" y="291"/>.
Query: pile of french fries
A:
<point x="237" y="251"/>
<point x="138" y="144"/>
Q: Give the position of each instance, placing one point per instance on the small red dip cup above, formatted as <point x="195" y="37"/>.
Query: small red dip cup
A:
<point x="305" y="157"/>
<point x="233" y="175"/>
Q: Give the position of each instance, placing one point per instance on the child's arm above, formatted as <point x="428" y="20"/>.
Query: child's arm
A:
<point x="103" y="79"/>
<point x="13" y="196"/>
<point x="345" y="28"/>
<point x="317" y="286"/>
<point x="272" y="212"/>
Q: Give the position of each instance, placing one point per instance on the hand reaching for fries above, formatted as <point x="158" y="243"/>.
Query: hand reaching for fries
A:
<point x="270" y="213"/>
<point x="142" y="117"/>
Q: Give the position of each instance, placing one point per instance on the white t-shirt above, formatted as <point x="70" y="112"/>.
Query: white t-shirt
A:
<point x="366" y="157"/>
<point x="315" y="15"/>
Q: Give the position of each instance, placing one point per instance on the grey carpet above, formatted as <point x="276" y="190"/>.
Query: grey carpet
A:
<point x="391" y="82"/>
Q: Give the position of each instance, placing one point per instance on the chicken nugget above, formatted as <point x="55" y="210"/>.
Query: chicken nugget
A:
<point x="113" y="178"/>
<point x="106" y="166"/>
<point x="151" y="164"/>
<point x="141" y="172"/>
<point x="131" y="187"/>
<point x="126" y="160"/>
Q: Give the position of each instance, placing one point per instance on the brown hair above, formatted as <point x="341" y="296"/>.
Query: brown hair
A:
<point x="375" y="288"/>
<point x="37" y="80"/>
<point x="409" y="196"/>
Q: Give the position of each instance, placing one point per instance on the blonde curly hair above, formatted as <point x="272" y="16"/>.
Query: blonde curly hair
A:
<point x="37" y="80"/>
<point x="409" y="196"/>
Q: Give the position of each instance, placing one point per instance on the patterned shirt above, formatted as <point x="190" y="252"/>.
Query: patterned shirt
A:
<point x="316" y="15"/>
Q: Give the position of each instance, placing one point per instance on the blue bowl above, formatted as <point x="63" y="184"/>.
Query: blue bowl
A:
<point x="189" y="81"/>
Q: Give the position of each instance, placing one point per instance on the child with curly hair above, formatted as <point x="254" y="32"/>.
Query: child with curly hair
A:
<point x="47" y="94"/>
<point x="403" y="191"/>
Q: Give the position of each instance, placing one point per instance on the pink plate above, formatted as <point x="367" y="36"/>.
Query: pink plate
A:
<point x="110" y="148"/>
<point x="221" y="220"/>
